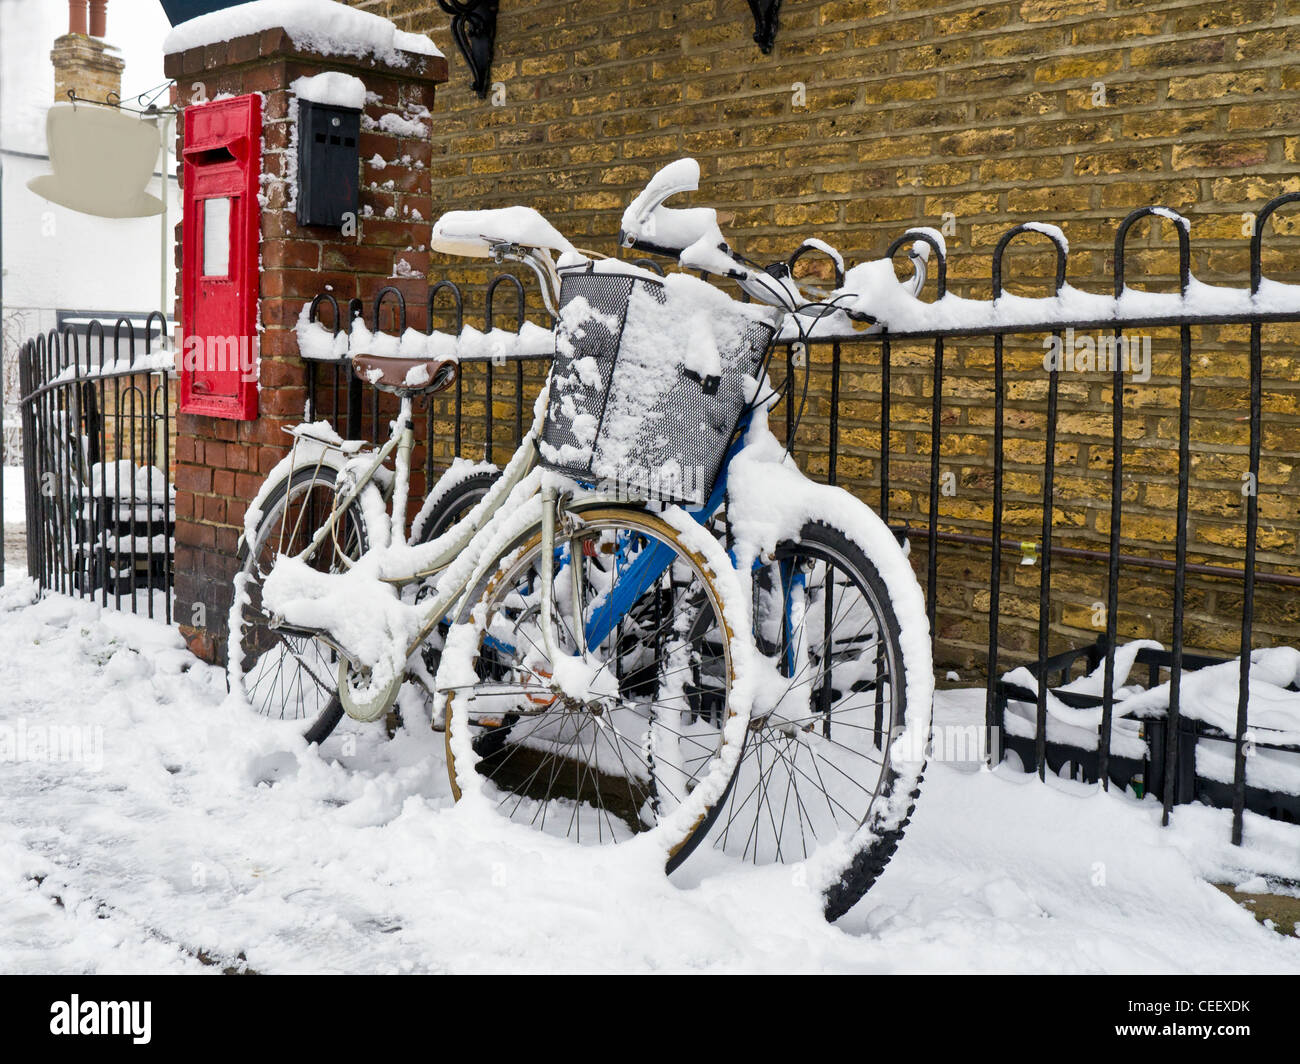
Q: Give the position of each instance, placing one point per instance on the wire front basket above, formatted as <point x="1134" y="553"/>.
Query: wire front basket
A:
<point x="649" y="382"/>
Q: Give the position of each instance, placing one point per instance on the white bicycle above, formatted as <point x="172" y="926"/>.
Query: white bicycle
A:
<point x="603" y="667"/>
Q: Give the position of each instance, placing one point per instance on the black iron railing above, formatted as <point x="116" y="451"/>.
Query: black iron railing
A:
<point x="97" y="453"/>
<point x="872" y="410"/>
<point x="1281" y="308"/>
<point x="828" y="367"/>
<point x="484" y="384"/>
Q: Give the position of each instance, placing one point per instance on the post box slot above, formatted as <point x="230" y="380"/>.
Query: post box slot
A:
<point x="211" y="156"/>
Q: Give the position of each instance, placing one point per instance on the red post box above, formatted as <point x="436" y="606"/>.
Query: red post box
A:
<point x="219" y="258"/>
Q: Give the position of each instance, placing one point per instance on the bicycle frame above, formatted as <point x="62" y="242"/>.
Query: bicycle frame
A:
<point x="632" y="583"/>
<point x="402" y="442"/>
<point x="647" y="568"/>
<point x="457" y="539"/>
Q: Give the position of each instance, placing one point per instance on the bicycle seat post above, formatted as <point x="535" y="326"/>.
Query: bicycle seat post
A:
<point x="402" y="477"/>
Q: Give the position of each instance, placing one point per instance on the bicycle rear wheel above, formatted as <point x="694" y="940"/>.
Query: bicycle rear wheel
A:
<point x="451" y="499"/>
<point x="648" y="738"/>
<point x="450" y="502"/>
<point x="283" y="674"/>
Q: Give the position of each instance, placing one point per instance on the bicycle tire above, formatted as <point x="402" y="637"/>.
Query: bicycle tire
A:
<point x="845" y="645"/>
<point x="326" y="718"/>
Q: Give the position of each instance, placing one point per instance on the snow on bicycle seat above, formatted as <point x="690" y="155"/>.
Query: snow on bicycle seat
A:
<point x="391" y="373"/>
<point x="476" y="234"/>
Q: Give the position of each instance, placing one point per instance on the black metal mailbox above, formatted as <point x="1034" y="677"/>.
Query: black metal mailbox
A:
<point x="328" y="163"/>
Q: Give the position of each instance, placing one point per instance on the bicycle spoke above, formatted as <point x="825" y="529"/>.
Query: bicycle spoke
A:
<point x="594" y="771"/>
<point x="813" y="765"/>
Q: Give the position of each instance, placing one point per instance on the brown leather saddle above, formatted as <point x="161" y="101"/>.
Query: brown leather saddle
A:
<point x="405" y="376"/>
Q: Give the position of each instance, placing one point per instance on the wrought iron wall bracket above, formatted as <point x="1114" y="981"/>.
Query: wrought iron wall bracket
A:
<point x="474" y="29"/>
<point x="765" y="20"/>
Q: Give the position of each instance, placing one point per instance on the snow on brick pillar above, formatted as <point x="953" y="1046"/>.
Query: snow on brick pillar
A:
<point x="220" y="463"/>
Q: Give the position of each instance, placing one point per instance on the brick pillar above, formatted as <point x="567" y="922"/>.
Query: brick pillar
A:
<point x="220" y="464"/>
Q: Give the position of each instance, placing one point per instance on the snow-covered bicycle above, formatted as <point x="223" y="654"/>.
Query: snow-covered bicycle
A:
<point x="603" y="666"/>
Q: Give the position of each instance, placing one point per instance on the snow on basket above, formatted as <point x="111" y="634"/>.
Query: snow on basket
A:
<point x="649" y="381"/>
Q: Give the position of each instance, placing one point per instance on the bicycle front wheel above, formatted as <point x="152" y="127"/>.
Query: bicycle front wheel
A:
<point x="817" y="769"/>
<point x="647" y="738"/>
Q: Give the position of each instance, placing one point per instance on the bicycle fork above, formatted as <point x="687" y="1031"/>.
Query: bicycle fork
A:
<point x="552" y="502"/>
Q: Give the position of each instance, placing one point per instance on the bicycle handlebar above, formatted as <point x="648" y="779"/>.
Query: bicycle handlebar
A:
<point x="692" y="236"/>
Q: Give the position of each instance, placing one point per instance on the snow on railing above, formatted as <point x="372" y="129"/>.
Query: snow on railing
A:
<point x="873" y="288"/>
<point x="163" y="360"/>
<point x="319" y="344"/>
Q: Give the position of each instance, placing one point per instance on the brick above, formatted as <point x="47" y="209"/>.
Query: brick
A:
<point x="1218" y="85"/>
<point x="978" y="142"/>
<point x="1085" y="67"/>
<point x="1219" y="154"/>
<point x="214" y="509"/>
<point x="214" y="454"/>
<point x="196" y="479"/>
<point x="290" y="254"/>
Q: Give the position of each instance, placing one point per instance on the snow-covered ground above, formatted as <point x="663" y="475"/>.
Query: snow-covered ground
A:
<point x="14" y="531"/>
<point x="15" y="499"/>
<point x="190" y="836"/>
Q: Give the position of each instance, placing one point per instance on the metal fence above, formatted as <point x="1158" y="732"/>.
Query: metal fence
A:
<point x="488" y="407"/>
<point x="95" y="408"/>
<point x="824" y="377"/>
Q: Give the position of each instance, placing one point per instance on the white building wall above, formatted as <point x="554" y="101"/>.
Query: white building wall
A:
<point x="55" y="258"/>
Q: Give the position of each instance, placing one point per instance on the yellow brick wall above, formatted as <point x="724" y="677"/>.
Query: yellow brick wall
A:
<point x="84" y="66"/>
<point x="872" y="115"/>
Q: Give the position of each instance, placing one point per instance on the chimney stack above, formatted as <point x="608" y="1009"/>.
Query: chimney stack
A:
<point x="82" y="61"/>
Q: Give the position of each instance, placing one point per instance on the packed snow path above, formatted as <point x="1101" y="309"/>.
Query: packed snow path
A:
<point x="210" y="839"/>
